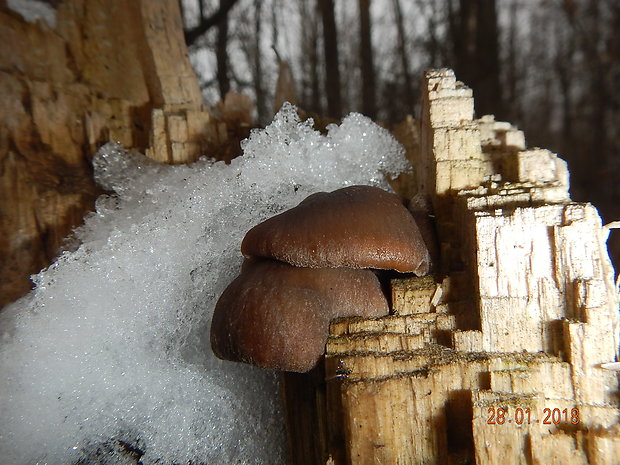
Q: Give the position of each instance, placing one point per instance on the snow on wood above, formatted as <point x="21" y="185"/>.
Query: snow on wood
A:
<point x="82" y="77"/>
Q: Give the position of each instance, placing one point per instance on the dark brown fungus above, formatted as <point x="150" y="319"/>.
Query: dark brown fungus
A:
<point x="277" y="316"/>
<point x="355" y="227"/>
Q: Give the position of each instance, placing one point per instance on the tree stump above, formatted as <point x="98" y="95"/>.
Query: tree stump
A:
<point x="508" y="353"/>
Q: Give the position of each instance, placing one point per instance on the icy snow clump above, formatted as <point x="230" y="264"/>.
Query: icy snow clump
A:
<point x="108" y="359"/>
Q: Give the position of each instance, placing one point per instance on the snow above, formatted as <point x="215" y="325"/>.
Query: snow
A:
<point x="32" y="10"/>
<point x="110" y="353"/>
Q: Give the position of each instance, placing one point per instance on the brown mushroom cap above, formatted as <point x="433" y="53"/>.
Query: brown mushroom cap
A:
<point x="355" y="227"/>
<point x="277" y="316"/>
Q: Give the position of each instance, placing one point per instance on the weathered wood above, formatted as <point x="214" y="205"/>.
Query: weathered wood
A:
<point x="304" y="400"/>
<point x="101" y="70"/>
<point x="519" y="324"/>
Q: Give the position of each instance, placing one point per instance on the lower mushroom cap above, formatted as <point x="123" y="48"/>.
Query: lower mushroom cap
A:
<point x="356" y="227"/>
<point x="277" y="316"/>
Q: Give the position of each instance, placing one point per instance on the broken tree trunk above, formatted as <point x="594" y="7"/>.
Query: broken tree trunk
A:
<point x="84" y="73"/>
<point x="508" y="353"/>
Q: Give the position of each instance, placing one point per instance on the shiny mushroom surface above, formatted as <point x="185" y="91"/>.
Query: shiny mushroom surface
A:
<point x="309" y="265"/>
<point x="277" y="316"/>
<point x="354" y="227"/>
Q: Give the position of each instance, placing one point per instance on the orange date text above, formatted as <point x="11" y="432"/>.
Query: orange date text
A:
<point x="524" y="416"/>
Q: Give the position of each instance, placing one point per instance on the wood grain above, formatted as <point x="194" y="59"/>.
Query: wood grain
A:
<point x="513" y="330"/>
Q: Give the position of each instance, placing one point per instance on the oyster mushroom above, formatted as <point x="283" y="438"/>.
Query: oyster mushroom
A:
<point x="277" y="316"/>
<point x="305" y="267"/>
<point x="355" y="227"/>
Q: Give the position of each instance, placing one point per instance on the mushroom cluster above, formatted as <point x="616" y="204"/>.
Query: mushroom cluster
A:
<point x="309" y="265"/>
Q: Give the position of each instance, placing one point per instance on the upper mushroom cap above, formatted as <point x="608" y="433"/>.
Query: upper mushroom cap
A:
<point x="277" y="316"/>
<point x="355" y="227"/>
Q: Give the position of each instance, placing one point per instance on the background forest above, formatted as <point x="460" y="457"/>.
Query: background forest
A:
<point x="551" y="67"/>
<point x="118" y="70"/>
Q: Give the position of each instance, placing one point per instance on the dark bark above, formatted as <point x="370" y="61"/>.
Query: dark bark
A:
<point x="221" y="53"/>
<point x="257" y="74"/>
<point x="310" y="59"/>
<point x="435" y="46"/>
<point x="512" y="99"/>
<point x="475" y="44"/>
<point x="592" y="39"/>
<point x="613" y="52"/>
<point x="564" y="63"/>
<point x="207" y="23"/>
<point x="613" y="188"/>
<point x="314" y="62"/>
<point x="330" y="47"/>
<point x="369" y="102"/>
<point x="402" y="52"/>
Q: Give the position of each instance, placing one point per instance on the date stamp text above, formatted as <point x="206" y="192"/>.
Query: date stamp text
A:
<point x="525" y="416"/>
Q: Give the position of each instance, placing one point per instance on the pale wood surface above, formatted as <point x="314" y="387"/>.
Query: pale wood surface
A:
<point x="522" y="314"/>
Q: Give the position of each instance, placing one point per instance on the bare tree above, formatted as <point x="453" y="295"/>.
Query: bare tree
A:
<point x="206" y="23"/>
<point x="310" y="59"/>
<point x="436" y="46"/>
<point x="613" y="75"/>
<point x="332" y="63"/>
<point x="474" y="33"/>
<point x="221" y="52"/>
<point x="257" y="70"/>
<point x="564" y="63"/>
<point x="402" y="53"/>
<point x="593" y="39"/>
<point x="369" y="99"/>
<point x="512" y="71"/>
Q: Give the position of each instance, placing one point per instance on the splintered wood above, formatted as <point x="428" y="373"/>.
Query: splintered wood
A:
<point x="500" y="357"/>
<point x="104" y="71"/>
